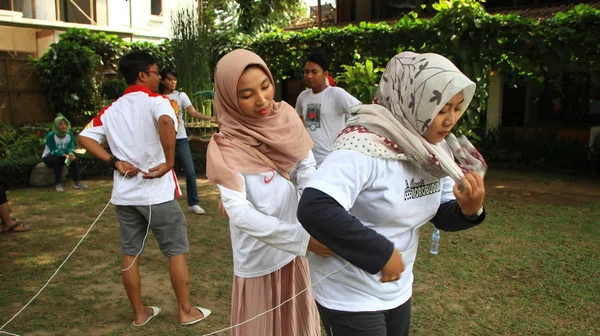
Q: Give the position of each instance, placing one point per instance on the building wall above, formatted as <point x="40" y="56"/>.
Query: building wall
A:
<point x="155" y="27"/>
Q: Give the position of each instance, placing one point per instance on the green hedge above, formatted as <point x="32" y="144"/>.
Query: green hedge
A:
<point x="477" y="42"/>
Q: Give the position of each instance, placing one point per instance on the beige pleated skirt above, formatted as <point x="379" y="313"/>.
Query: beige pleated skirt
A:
<point x="253" y="296"/>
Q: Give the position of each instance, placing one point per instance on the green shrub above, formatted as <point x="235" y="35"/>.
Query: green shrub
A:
<point x="361" y="80"/>
<point x="112" y="88"/>
<point x="16" y="170"/>
<point x="541" y="149"/>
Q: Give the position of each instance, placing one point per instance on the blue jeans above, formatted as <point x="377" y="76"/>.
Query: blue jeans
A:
<point x="183" y="155"/>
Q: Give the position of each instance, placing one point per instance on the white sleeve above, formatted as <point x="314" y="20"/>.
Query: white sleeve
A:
<point x="185" y="100"/>
<point x="299" y="104"/>
<point x="288" y="237"/>
<point x="304" y="170"/>
<point x="95" y="130"/>
<point x="345" y="101"/>
<point x="343" y="175"/>
<point x="163" y="107"/>
<point x="447" y="193"/>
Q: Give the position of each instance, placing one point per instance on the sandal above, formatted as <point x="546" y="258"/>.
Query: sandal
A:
<point x="14" y="226"/>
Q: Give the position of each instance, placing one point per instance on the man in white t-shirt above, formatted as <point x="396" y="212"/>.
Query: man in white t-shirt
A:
<point x="140" y="130"/>
<point x="323" y="108"/>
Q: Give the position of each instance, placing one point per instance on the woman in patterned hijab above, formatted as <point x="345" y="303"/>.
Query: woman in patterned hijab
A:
<point x="390" y="172"/>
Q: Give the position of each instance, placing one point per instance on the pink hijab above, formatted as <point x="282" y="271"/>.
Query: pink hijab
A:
<point x="279" y="135"/>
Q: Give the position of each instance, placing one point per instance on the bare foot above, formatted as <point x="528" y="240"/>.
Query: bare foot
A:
<point x="144" y="317"/>
<point x="192" y="315"/>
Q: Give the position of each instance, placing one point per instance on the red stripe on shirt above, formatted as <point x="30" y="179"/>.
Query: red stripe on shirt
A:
<point x="97" y="121"/>
<point x="177" y="189"/>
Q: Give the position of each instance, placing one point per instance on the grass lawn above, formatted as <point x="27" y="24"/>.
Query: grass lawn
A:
<point x="531" y="269"/>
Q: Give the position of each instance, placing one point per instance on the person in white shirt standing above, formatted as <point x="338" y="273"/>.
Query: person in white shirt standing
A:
<point x="183" y="154"/>
<point x="140" y="130"/>
<point x="323" y="108"/>
<point x="262" y="143"/>
<point x="390" y="172"/>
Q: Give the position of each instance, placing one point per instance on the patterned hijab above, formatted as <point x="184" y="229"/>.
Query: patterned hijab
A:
<point x="57" y="130"/>
<point x="413" y="89"/>
<point x="279" y="135"/>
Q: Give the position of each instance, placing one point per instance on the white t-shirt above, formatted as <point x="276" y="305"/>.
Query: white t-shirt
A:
<point x="265" y="232"/>
<point x="393" y="198"/>
<point x="324" y="115"/>
<point x="130" y="125"/>
<point x="183" y="101"/>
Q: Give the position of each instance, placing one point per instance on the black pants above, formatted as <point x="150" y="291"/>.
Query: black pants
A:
<point x="57" y="163"/>
<point x="3" y="198"/>
<point x="393" y="322"/>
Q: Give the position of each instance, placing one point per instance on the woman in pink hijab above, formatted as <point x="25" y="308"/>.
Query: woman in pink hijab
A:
<point x="261" y="160"/>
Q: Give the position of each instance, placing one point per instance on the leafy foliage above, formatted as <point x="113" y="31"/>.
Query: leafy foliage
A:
<point x="68" y="78"/>
<point x="190" y="50"/>
<point x="250" y="16"/>
<point x="20" y="143"/>
<point x="112" y="88"/>
<point x="70" y="71"/>
<point x="478" y="43"/>
<point x="361" y="80"/>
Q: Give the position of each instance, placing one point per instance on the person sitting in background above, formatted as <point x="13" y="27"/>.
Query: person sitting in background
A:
<point x="59" y="152"/>
<point x="8" y="224"/>
<point x="183" y="154"/>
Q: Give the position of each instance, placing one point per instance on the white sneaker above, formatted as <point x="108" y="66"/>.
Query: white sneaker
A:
<point x="80" y="185"/>
<point x="196" y="209"/>
<point x="59" y="188"/>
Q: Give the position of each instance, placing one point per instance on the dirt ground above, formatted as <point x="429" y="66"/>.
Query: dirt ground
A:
<point x="542" y="189"/>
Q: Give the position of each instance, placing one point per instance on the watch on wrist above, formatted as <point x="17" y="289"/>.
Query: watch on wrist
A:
<point x="112" y="162"/>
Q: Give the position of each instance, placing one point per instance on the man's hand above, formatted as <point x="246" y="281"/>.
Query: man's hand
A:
<point x="125" y="167"/>
<point x="315" y="247"/>
<point x="393" y="268"/>
<point x="471" y="194"/>
<point x="72" y="156"/>
<point x="157" y="172"/>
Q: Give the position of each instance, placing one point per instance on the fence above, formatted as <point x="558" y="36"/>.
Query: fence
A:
<point x="21" y="100"/>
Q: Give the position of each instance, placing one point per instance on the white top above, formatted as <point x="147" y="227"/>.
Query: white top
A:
<point x="265" y="232"/>
<point x="393" y="198"/>
<point x="324" y="115"/>
<point x="183" y="101"/>
<point x="61" y="144"/>
<point x="130" y="125"/>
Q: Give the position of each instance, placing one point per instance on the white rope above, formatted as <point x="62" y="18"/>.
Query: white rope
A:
<point x="61" y="265"/>
<point x="123" y="270"/>
<point x="279" y="305"/>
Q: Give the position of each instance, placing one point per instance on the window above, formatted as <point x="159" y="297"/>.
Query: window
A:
<point x="156" y="7"/>
<point x="571" y="97"/>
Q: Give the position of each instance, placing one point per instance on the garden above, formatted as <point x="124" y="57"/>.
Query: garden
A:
<point x="530" y="269"/>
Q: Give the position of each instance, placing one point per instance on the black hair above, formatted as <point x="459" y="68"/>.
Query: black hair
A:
<point x="319" y="58"/>
<point x="163" y="74"/>
<point x="133" y="63"/>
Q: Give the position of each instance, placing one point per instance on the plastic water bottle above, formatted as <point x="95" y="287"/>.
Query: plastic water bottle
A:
<point x="435" y="242"/>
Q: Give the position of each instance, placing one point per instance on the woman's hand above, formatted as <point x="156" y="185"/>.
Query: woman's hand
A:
<point x="315" y="247"/>
<point x="471" y="194"/>
<point x="393" y="268"/>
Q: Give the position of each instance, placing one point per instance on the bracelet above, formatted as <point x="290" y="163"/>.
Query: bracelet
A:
<point x="475" y="216"/>
<point x="112" y="162"/>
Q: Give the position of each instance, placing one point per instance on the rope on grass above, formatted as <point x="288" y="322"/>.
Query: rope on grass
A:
<point x="59" y="267"/>
<point x="276" y="307"/>
<point x="147" y="230"/>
